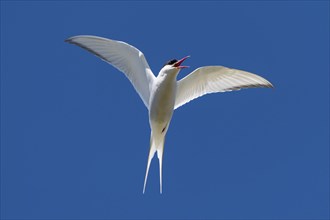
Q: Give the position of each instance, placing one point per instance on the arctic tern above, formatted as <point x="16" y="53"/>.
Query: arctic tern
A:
<point x="163" y="94"/>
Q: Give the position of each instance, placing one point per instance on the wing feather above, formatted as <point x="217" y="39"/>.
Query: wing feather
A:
<point x="122" y="56"/>
<point x="211" y="79"/>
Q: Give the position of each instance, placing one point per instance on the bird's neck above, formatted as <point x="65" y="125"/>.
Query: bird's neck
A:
<point x="167" y="76"/>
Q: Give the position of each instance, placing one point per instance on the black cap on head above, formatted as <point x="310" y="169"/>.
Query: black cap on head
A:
<point x="171" y="62"/>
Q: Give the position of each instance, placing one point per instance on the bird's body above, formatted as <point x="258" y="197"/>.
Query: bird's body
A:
<point x="163" y="94"/>
<point x="161" y="109"/>
<point x="162" y="99"/>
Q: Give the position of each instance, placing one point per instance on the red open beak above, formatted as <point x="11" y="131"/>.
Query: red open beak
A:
<point x="178" y="63"/>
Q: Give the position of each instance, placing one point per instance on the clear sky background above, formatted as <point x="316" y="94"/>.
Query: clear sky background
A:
<point x="75" y="135"/>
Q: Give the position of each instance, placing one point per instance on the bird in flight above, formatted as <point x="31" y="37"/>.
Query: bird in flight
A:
<point x="163" y="94"/>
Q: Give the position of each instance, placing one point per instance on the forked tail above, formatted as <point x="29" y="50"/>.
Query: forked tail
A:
<point x="156" y="145"/>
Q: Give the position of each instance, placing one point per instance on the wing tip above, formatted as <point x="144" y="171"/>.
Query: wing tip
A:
<point x="269" y="85"/>
<point x="69" y="40"/>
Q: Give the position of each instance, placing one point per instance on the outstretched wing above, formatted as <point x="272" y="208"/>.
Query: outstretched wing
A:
<point x="124" y="57"/>
<point x="211" y="79"/>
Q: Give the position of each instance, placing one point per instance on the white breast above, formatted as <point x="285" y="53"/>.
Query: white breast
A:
<point x="162" y="101"/>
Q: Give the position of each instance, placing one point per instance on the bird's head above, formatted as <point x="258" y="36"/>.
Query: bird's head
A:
<point x="173" y="66"/>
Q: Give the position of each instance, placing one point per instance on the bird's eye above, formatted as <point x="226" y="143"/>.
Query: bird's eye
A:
<point x="171" y="62"/>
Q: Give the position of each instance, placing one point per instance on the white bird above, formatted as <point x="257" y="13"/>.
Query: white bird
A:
<point x="163" y="94"/>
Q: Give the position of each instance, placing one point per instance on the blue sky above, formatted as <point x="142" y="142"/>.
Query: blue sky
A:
<point x="75" y="135"/>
